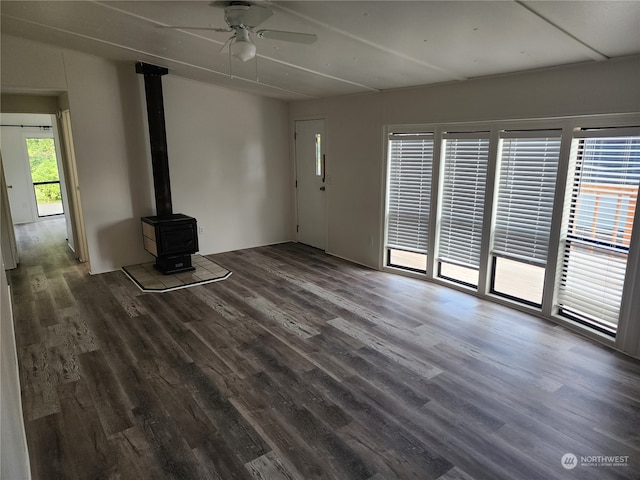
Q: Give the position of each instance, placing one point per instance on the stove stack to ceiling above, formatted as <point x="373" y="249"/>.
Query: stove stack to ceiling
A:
<point x="170" y="237"/>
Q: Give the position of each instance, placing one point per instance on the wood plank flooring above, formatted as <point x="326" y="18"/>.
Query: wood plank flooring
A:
<point x="304" y="366"/>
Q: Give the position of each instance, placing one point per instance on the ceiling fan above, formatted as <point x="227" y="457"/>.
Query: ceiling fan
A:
<point x="242" y="17"/>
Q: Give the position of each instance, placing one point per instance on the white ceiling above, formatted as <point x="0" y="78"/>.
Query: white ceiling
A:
<point x="362" y="46"/>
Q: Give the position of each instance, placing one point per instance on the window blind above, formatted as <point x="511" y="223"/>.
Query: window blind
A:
<point x="463" y="189"/>
<point x="592" y="283"/>
<point x="603" y="197"/>
<point x="527" y="178"/>
<point x="410" y="165"/>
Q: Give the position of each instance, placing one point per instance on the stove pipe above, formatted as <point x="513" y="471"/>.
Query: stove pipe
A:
<point x="158" y="136"/>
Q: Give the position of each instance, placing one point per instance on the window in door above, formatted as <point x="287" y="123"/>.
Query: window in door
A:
<point x="319" y="155"/>
<point x="527" y="169"/>
<point x="462" y="206"/>
<point x="44" y="175"/>
<point x="408" y="202"/>
<point x="604" y="175"/>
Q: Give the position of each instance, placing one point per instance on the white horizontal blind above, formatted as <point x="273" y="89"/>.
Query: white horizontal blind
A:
<point x="603" y="201"/>
<point x="592" y="282"/>
<point x="409" y="190"/>
<point x="528" y="169"/>
<point x="463" y="189"/>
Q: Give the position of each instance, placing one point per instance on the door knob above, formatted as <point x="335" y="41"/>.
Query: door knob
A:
<point x="9" y="186"/>
<point x="323" y="188"/>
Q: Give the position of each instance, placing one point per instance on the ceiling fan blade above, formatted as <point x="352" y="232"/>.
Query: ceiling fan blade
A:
<point x="213" y="29"/>
<point x="226" y="44"/>
<point x="287" y="36"/>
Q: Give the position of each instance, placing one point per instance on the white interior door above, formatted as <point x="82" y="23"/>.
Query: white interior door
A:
<point x="73" y="188"/>
<point x="18" y="175"/>
<point x="7" y="234"/>
<point x="310" y="143"/>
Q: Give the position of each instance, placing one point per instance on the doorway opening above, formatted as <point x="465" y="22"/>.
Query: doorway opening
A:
<point x="41" y="179"/>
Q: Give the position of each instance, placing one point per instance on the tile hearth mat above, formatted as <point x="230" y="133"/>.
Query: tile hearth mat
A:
<point x="148" y="279"/>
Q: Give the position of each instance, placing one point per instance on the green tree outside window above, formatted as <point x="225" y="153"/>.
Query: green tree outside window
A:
<point x="44" y="168"/>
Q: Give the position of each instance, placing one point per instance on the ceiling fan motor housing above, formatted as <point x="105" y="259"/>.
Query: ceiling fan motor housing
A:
<point x="234" y="15"/>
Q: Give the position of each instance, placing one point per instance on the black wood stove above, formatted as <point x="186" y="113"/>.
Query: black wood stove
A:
<point x="170" y="237"/>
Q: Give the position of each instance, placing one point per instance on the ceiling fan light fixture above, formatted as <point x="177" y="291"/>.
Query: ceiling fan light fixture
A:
<point x="242" y="47"/>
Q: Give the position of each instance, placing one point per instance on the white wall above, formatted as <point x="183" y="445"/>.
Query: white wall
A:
<point x="229" y="164"/>
<point x="228" y="153"/>
<point x="14" y="459"/>
<point x="108" y="135"/>
<point x="353" y="149"/>
<point x="355" y="130"/>
<point x="583" y="89"/>
<point x="355" y="126"/>
<point x="31" y="66"/>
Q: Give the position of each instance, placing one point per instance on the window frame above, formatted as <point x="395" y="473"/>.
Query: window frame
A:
<point x="444" y="141"/>
<point x="512" y="298"/>
<point x="391" y="205"/>
<point x="580" y="239"/>
<point x="628" y="333"/>
<point x="495" y="250"/>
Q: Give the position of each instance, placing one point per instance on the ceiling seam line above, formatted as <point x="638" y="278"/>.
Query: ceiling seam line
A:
<point x="141" y="52"/>
<point x="451" y="73"/>
<point x="304" y="69"/>
<point x="599" y="55"/>
<point x="140" y="17"/>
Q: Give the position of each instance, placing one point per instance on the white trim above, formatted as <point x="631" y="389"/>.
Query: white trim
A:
<point x="411" y="136"/>
<point x="612" y="120"/>
<point x="628" y="338"/>
<point x="607" y="132"/>
<point x="554" y="259"/>
<point x="75" y="214"/>
<point x="556" y="132"/>
<point x="466" y="135"/>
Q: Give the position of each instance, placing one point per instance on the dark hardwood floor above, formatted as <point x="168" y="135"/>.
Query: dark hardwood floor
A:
<point x="304" y="366"/>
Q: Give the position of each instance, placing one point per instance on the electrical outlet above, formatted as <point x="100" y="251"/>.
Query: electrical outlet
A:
<point x="201" y="229"/>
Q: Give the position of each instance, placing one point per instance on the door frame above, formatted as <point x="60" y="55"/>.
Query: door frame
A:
<point x="325" y="145"/>
<point x="72" y="185"/>
<point x="8" y="240"/>
<point x="73" y="215"/>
